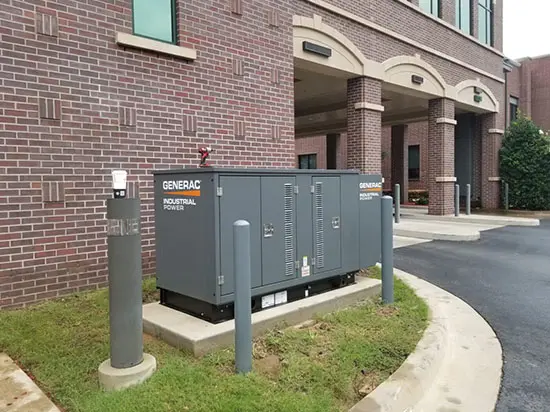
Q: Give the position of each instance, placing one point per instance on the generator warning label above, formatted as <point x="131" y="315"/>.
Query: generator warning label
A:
<point x="180" y="194"/>
<point x="369" y="190"/>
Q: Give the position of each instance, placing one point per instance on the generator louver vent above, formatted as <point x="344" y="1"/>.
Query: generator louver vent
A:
<point x="289" y="230"/>
<point x="319" y="227"/>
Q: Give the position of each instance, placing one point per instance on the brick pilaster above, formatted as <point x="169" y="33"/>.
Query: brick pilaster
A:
<point x="364" y="125"/>
<point x="441" y="155"/>
<point x="400" y="160"/>
<point x="447" y="11"/>
<point x="491" y="141"/>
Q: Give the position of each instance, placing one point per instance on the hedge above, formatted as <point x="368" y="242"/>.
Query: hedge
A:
<point x="525" y="165"/>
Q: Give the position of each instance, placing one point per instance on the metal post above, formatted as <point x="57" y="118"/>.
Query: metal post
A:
<point x="387" y="250"/>
<point x="457" y="200"/>
<point x="506" y="189"/>
<point x="397" y="197"/>
<point x="243" y="315"/>
<point x="127" y="364"/>
<point x="125" y="282"/>
<point x="468" y="199"/>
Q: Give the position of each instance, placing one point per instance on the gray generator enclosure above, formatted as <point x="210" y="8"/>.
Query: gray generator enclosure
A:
<point x="311" y="231"/>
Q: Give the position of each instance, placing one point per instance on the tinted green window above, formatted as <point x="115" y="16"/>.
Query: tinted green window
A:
<point x="430" y="6"/>
<point x="414" y="162"/>
<point x="155" y="19"/>
<point x="463" y="15"/>
<point x="485" y="21"/>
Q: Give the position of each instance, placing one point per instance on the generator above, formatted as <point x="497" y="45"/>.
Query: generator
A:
<point x="311" y="231"/>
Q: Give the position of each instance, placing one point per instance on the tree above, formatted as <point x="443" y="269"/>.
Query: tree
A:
<point x="525" y="165"/>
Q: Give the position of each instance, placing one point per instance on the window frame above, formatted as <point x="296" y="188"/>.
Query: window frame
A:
<point x="514" y="102"/>
<point x="458" y="16"/>
<point x="173" y="21"/>
<point x="309" y="157"/>
<point x="489" y="22"/>
<point x="437" y="12"/>
<point x="417" y="147"/>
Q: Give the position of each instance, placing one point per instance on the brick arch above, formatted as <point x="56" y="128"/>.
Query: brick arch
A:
<point x="345" y="56"/>
<point x="466" y="90"/>
<point x="400" y="69"/>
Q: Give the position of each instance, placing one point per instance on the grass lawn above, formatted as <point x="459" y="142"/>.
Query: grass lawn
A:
<point x="319" y="367"/>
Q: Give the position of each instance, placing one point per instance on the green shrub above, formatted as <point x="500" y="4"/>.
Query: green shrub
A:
<point x="525" y="165"/>
<point x="418" y="197"/>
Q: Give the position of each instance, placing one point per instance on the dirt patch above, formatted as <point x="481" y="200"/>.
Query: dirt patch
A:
<point x="269" y="366"/>
<point x="386" y="310"/>
<point x="366" y="382"/>
<point x="148" y="338"/>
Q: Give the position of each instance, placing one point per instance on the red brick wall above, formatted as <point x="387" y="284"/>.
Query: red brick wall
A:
<point x="313" y="145"/>
<point x="52" y="244"/>
<point x="74" y="106"/>
<point x="417" y="134"/>
<point x="318" y="145"/>
<point x="540" y="91"/>
<point x="531" y="84"/>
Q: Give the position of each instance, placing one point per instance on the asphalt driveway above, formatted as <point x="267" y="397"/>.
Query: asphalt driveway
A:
<point x="505" y="276"/>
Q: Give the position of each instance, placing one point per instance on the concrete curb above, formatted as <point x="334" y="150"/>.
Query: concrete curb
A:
<point x="475" y="219"/>
<point x="470" y="237"/>
<point x="200" y="337"/>
<point x="456" y="366"/>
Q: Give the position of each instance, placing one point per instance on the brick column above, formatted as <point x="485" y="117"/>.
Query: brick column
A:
<point x="400" y="160"/>
<point x="364" y="132"/>
<point x="441" y="156"/>
<point x="491" y="141"/>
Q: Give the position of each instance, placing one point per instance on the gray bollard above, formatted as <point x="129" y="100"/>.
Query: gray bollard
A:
<point x="243" y="309"/>
<point x="387" y="250"/>
<point x="457" y="200"/>
<point x="127" y="364"/>
<point x="506" y="189"/>
<point x="468" y="199"/>
<point x="125" y="282"/>
<point x="397" y="197"/>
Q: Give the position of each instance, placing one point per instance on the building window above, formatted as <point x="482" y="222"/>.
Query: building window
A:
<point x="155" y="19"/>
<point x="414" y="162"/>
<point x="307" y="161"/>
<point x="485" y="21"/>
<point x="430" y="6"/>
<point x="514" y="104"/>
<point x="463" y="15"/>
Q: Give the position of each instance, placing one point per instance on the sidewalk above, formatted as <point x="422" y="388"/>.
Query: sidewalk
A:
<point x="18" y="393"/>
<point x="421" y="213"/>
<point x="416" y="223"/>
<point x="457" y="365"/>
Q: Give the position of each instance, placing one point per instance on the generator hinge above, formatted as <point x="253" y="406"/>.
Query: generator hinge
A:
<point x="296" y="189"/>
<point x="219" y="191"/>
<point x="312" y="189"/>
<point x="297" y="264"/>
<point x="312" y="261"/>
<point x="220" y="280"/>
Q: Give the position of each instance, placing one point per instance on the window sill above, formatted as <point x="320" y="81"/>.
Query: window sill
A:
<point x="130" y="40"/>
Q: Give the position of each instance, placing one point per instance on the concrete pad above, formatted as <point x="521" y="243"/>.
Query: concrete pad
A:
<point x="400" y="241"/>
<point x="200" y="337"/>
<point x="113" y="379"/>
<point x="477" y="219"/>
<point x="456" y="366"/>
<point x="18" y="393"/>
<point x="437" y="230"/>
